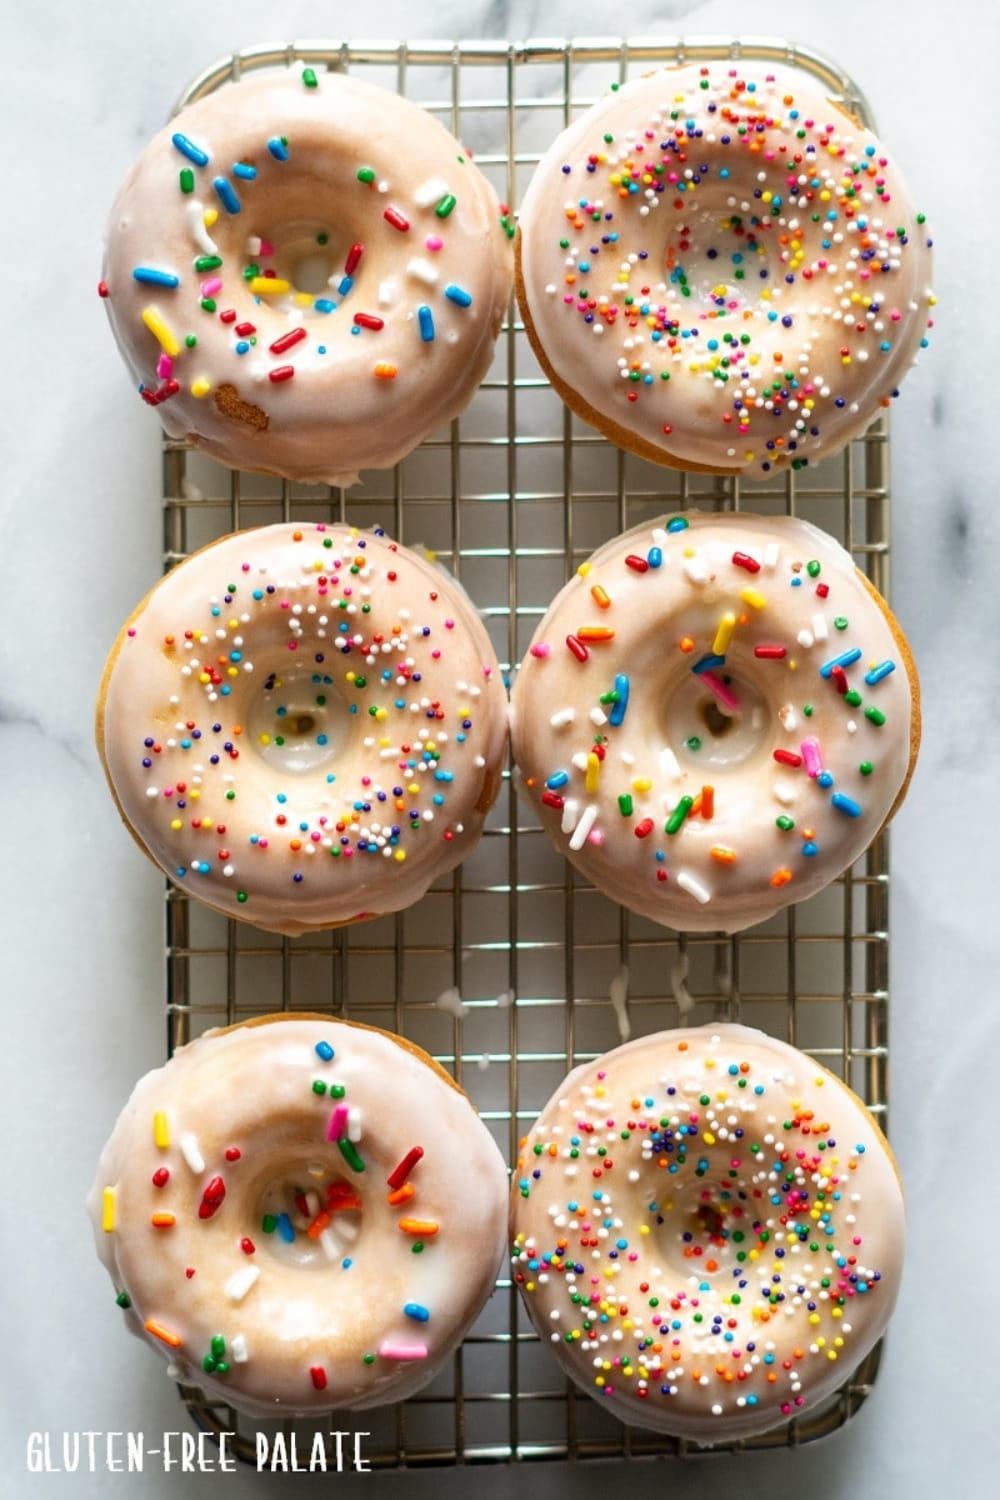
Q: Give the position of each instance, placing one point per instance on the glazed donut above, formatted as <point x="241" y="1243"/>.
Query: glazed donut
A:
<point x="708" y="1230"/>
<point x="715" y="718"/>
<point x="304" y="725"/>
<point x="720" y="269"/>
<point x="306" y="275"/>
<point x="300" y="1214"/>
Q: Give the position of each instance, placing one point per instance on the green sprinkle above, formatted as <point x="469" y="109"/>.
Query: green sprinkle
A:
<point x="242" y="896"/>
<point x="337" y="1091"/>
<point x="208" y="303"/>
<point x="678" y="815"/>
<point x="694" y="743"/>
<point x="366" y="174"/>
<point x="208" y="262"/>
<point x="269" y="1223"/>
<point x="368" y="1359"/>
<point x="807" y="710"/>
<point x="187" y="180"/>
<point x="866" y="768"/>
<point x="625" y="804"/>
<point x="319" y="1087"/>
<point x="218" y="1345"/>
<point x="812" y="568"/>
<point x="853" y="697"/>
<point x="322" y="238"/>
<point x="876" y="716"/>
<point x="123" y="1299"/>
<point x="190" y="340"/>
<point x="785" y="823"/>
<point x="840" y="622"/>
<point x="349" y="1152"/>
<point x="208" y="1365"/>
<point x="446" y="205"/>
<point x="309" y="78"/>
<point x="417" y="1248"/>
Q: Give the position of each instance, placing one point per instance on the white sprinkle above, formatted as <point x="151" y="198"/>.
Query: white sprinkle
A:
<point x="191" y="1152"/>
<point x="354" y="1124"/>
<point x="570" y="807"/>
<point x="587" y="820"/>
<point x="239" y="1284"/>
<point x="562" y="718"/>
<point x="579" y="761"/>
<point x="788" y="717"/>
<point x="804" y="639"/>
<point x="659" y="537"/>
<point x="693" y="887"/>
<point x="669" y="764"/>
<point x="505" y="1000"/>
<point x="196" y="215"/>
<point x="238" y="1349"/>
<point x="785" y="793"/>
<point x="421" y="270"/>
<point x="771" y="554"/>
<point x="329" y="1245"/>
<point x="253" y="244"/>
<point x="598" y="717"/>
<point x="431" y="191"/>
<point x="619" y="1002"/>
<point x="820" y="631"/>
<point x="694" y="568"/>
<point x="386" y="293"/>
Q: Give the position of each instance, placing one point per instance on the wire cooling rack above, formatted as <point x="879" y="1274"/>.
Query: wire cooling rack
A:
<point x="505" y="970"/>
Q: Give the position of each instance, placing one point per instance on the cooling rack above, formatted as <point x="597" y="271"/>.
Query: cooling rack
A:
<point x="505" y="971"/>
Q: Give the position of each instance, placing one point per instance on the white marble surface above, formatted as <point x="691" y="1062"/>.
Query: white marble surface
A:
<point x="82" y="88"/>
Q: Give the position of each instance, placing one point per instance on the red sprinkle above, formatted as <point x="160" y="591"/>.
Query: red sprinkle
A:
<point x="839" y="679"/>
<point x="399" y="1174"/>
<point x="553" y="799"/>
<point x="161" y="1176"/>
<point x="577" y="647"/>
<point x="822" y="589"/>
<point x="318" y="1377"/>
<point x="293" y="336"/>
<point x="396" y="219"/>
<point x="637" y="564"/>
<point x="770" y="653"/>
<point x="369" y="320"/>
<point x="247" y="1246"/>
<point x="787" y="758"/>
<point x="353" y="256"/>
<point x="102" y="289"/>
<point x="228" y="316"/>
<point x="644" y="829"/>
<point x="233" y="1153"/>
<point x="744" y="560"/>
<point x="244" y="328"/>
<point x="211" y="1198"/>
<point x="283" y="372"/>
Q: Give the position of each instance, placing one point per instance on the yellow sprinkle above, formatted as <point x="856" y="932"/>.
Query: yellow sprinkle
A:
<point x="176" y="824"/>
<point x="724" y="634"/>
<point x="753" y="597"/>
<point x="161" y="1129"/>
<point x="210" y="217"/>
<point x="708" y="1138"/>
<point x="273" y="286"/>
<point x="814" y="1318"/>
<point x="399" y="855"/>
<point x="200" y="387"/>
<point x="160" y="331"/>
<point x="303" y="299"/>
<point x="642" y="784"/>
<point x="583" y="569"/>
<point x="593" y="778"/>
<point x="108" y="1210"/>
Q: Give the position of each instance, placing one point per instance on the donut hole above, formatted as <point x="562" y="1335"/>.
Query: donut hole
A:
<point x="308" y="1215"/>
<point x="706" y="1225"/>
<point x="716" y="719"/>
<point x="308" y="255"/>
<point x="716" y="258"/>
<point x="298" y="721"/>
<point x="716" y="722"/>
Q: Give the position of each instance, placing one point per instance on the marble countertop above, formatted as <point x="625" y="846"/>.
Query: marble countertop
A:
<point x="83" y="88"/>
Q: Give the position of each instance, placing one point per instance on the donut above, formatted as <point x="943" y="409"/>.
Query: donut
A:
<point x="720" y="269"/>
<point x="304" y="725"/>
<point x="300" y="1214"/>
<point x="708" y="1231"/>
<point x="716" y="716"/>
<point x="306" y="275"/>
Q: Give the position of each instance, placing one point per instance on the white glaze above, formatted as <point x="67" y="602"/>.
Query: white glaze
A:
<point x="251" y="1089"/>
<point x="855" y="297"/>
<point x="195" y="656"/>
<point x="334" y="416"/>
<point x="665" y="622"/>
<point x="584" y="1226"/>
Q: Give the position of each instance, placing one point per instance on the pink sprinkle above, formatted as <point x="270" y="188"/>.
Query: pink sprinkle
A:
<point x="542" y="649"/>
<point x="338" y="1123"/>
<point x="211" y="286"/>
<point x="389" y="1350"/>
<point x="266" y="248"/>
<point x="434" y="242"/>
<point x="811" y="757"/>
<point x="725" y="694"/>
<point x="164" y="367"/>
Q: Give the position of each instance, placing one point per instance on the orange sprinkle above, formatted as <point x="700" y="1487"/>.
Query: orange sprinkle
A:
<point x="781" y="877"/>
<point x="163" y="1221"/>
<point x="595" y="633"/>
<point x="384" y="371"/>
<point x="318" y="1225"/>
<point x="686" y="643"/>
<point x="601" y="597"/>
<point x="158" y="1331"/>
<point x="723" y="855"/>
<point x="402" y="1194"/>
<point x="418" y="1226"/>
<point x="708" y="801"/>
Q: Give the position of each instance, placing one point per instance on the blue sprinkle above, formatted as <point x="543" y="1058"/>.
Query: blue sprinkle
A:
<point x="458" y="295"/>
<point x="824" y="779"/>
<point x="190" y="150"/>
<point x="347" y="1263"/>
<point x="708" y="663"/>
<point x="846" y="805"/>
<point x="677" y="523"/>
<point x="426" y="318"/>
<point x="324" y="305"/>
<point x="277" y="148"/>
<point x="847" y="659"/>
<point x="242" y="346"/>
<point x="444" y="776"/>
<point x="654" y="557"/>
<point x="415" y="1310"/>
<point x="556" y="780"/>
<point x="617" y="715"/>
<point x="285" y="1228"/>
<point x="325" y="1051"/>
<point x="346" y="282"/>
<point x="227" y="197"/>
<point x="877" y="673"/>
<point x="156" y="278"/>
<point x="244" y="170"/>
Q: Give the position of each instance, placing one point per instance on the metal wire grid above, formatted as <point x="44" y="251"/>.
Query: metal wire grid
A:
<point x="512" y="497"/>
